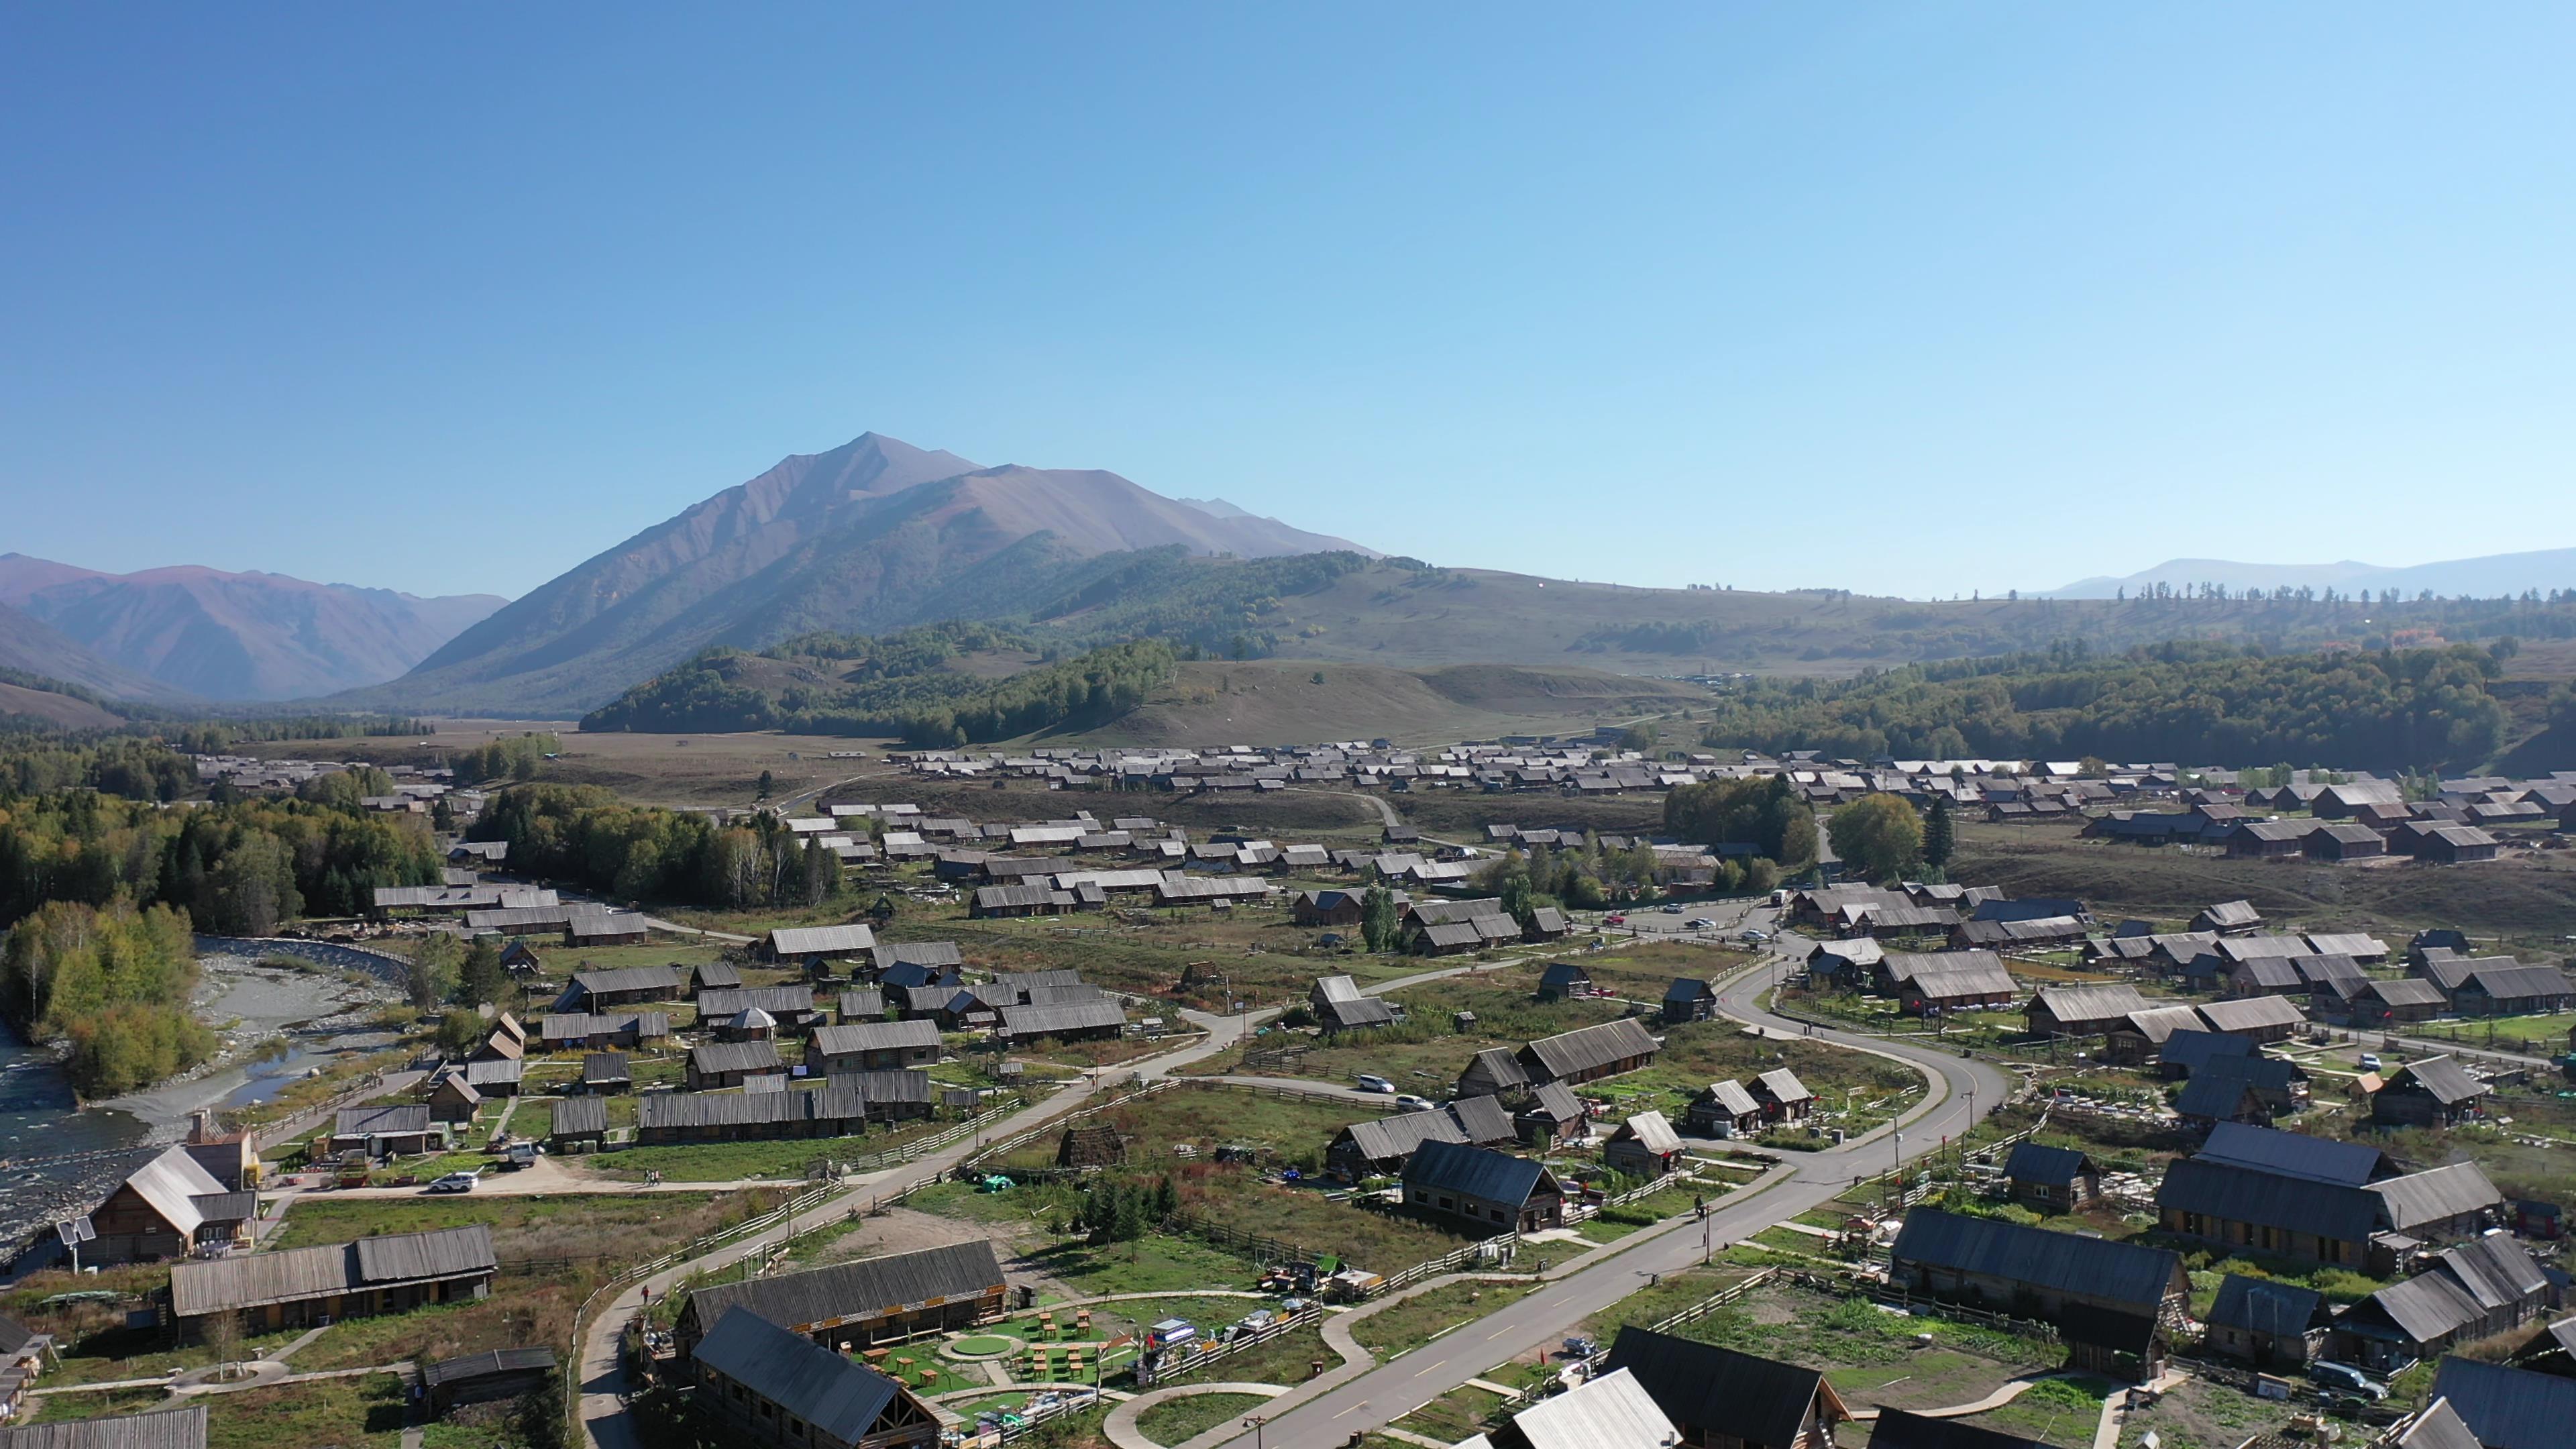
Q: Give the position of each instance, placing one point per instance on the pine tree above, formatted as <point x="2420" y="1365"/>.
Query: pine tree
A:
<point x="1940" y="835"/>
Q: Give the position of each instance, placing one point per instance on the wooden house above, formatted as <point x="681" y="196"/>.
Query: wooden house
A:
<point x="759" y="1383"/>
<point x="292" y="1287"/>
<point x="2268" y="1324"/>
<point x="1643" y="1146"/>
<point x="2089" y="1010"/>
<point x="1782" y="1097"/>
<point x="865" y="1301"/>
<point x="580" y="1125"/>
<point x="2434" y="1092"/>
<point x="718" y="1065"/>
<point x="1481" y="1190"/>
<point x="170" y="1207"/>
<point x="876" y="1046"/>
<point x="1589" y="1053"/>
<point x="2052" y="1179"/>
<point x="1554" y="1115"/>
<point x="1724" y="1109"/>
<point x="1688" y="999"/>
<point x="453" y="1100"/>
<point x="1718" y="1398"/>
<point x="1379" y="1145"/>
<point x="2111" y="1300"/>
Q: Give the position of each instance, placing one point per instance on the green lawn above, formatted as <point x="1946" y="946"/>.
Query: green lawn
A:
<point x="574" y="1225"/>
<point x="1419" y="1319"/>
<point x="1177" y="1421"/>
<point x="1453" y="1416"/>
<point x="1156" y="1263"/>
<point x="783" y="1159"/>
<point x="1618" y="1222"/>
<point x="367" y="1409"/>
<point x="2058" y="1411"/>
<point x="1287" y="1360"/>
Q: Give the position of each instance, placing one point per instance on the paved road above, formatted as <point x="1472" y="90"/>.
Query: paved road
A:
<point x="1382" y="1394"/>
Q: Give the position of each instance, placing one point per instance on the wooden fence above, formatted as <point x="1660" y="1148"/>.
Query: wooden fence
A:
<point x="1222" y="1351"/>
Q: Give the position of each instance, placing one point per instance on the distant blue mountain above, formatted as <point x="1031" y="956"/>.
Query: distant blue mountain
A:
<point x="2482" y="578"/>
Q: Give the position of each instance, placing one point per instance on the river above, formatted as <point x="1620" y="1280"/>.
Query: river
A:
<point x="57" y="1159"/>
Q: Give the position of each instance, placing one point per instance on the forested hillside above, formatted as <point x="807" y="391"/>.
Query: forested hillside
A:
<point x="898" y="687"/>
<point x="2190" y="703"/>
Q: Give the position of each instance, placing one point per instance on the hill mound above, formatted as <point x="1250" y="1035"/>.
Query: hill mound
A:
<point x="17" y="700"/>
<point x="1286" y="701"/>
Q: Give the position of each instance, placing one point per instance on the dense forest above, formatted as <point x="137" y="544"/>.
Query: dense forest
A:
<point x="236" y="866"/>
<point x="931" y="706"/>
<point x="114" y="982"/>
<point x="2190" y="703"/>
<point x="583" y="835"/>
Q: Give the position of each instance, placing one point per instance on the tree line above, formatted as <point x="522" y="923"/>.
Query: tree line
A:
<point x="240" y="867"/>
<point x="586" y="836"/>
<point x="2184" y="702"/>
<point x="933" y="708"/>
<point x="114" y="982"/>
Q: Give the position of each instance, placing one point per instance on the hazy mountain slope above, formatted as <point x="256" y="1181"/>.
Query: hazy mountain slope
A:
<point x="238" y="635"/>
<point x="1282" y="701"/>
<point x="2490" y="577"/>
<point x="69" y="711"/>
<point x="29" y="644"/>
<point x="871" y="535"/>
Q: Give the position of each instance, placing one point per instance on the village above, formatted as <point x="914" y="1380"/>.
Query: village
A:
<point x="1084" y="1120"/>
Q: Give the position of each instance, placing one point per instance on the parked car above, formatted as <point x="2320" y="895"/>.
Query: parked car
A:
<point x="455" y="1182"/>
<point x="1614" y="919"/>
<point x="1412" y="1103"/>
<point x="1702" y="923"/>
<point x="1754" y="937"/>
<point x="2344" y="1376"/>
<point x="1672" y="910"/>
<point x="1371" y="1082"/>
<point x="2370" y="1061"/>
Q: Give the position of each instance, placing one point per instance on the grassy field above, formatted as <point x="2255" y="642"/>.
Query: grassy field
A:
<point x="2057" y="1411"/>
<point x="1870" y="1355"/>
<point x="368" y="1409"/>
<point x="1453" y="1416"/>
<point x="1426" y="1316"/>
<point x="1177" y="1421"/>
<point x="528" y="1227"/>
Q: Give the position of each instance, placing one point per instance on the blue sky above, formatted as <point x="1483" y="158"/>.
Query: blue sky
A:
<point x="1909" y="299"/>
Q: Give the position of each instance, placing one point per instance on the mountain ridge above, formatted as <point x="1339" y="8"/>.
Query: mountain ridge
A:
<point x="875" y="533"/>
<point x="234" y="636"/>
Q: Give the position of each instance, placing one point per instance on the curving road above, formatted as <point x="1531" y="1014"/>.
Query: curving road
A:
<point x="1382" y="1394"/>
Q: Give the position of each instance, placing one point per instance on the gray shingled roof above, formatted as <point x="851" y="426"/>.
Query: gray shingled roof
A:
<point x="2508" y="1408"/>
<point x="251" y="1279"/>
<point x="842" y="1400"/>
<point x="1477" y="1172"/>
<point x="1699" y="1385"/>
<point x="2260" y="1305"/>
<point x="1587" y="1048"/>
<point x="874" y="1036"/>
<point x="2060" y="1262"/>
<point x="159" y="1429"/>
<point x="2427" y="1197"/>
<point x="2236" y="1193"/>
<point x="857" y="1289"/>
